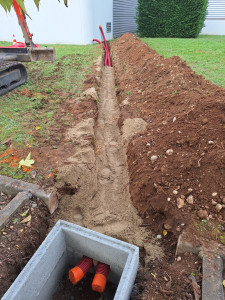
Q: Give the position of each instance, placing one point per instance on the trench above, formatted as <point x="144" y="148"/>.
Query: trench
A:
<point x="100" y="176"/>
<point x="114" y="214"/>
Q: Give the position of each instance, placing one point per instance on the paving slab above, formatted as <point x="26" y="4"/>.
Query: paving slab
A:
<point x="12" y="207"/>
<point x="212" y="287"/>
<point x="12" y="187"/>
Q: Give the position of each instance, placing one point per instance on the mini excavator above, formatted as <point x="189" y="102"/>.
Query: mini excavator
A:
<point x="12" y="71"/>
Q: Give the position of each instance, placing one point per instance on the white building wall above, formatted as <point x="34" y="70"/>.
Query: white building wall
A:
<point x="102" y="13"/>
<point x="216" y="27"/>
<point x="54" y="23"/>
<point x="215" y="18"/>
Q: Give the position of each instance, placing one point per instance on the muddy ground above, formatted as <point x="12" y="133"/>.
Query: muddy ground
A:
<point x="143" y="160"/>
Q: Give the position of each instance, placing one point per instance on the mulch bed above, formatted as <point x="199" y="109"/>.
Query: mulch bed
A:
<point x="185" y="113"/>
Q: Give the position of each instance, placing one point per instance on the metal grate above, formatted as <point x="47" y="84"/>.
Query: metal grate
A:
<point x="108" y="27"/>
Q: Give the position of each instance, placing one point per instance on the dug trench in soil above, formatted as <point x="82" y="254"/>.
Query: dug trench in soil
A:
<point x="177" y="163"/>
<point x="98" y="174"/>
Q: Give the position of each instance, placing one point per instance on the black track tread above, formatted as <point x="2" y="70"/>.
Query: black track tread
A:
<point x="6" y="66"/>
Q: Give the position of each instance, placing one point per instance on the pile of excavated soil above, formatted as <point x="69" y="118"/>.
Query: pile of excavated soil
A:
<point x="177" y="163"/>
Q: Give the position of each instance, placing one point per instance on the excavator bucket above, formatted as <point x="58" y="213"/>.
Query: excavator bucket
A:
<point x="27" y="54"/>
<point x="45" y="54"/>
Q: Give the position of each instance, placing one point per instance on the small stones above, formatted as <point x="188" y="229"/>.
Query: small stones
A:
<point x="214" y="202"/>
<point x="204" y="121"/>
<point x="210" y="142"/>
<point x="169" y="152"/>
<point x="148" y="144"/>
<point x="159" y="236"/>
<point x="180" y="203"/>
<point x="178" y="229"/>
<point x="214" y="194"/>
<point x="190" y="190"/>
<point x="190" y="199"/>
<point x="167" y="226"/>
<point x="202" y="214"/>
<point x="219" y="207"/>
<point x="174" y="119"/>
<point x="178" y="258"/>
<point x="168" y="199"/>
<point x="125" y="102"/>
<point x="175" y="192"/>
<point x="164" y="122"/>
<point x="154" y="157"/>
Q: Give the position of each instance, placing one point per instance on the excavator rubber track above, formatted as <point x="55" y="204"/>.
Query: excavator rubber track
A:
<point x="12" y="75"/>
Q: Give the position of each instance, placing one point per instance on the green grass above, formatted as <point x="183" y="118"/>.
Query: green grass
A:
<point x="205" y="55"/>
<point x="48" y="83"/>
<point x="35" y="103"/>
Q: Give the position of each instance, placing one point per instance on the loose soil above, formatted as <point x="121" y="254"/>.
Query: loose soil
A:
<point x="82" y="290"/>
<point x="19" y="241"/>
<point x="185" y="113"/>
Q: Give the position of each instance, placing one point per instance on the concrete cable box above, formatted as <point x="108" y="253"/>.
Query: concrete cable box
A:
<point x="65" y="245"/>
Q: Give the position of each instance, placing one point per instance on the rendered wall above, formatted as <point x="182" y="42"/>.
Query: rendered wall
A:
<point x="54" y="23"/>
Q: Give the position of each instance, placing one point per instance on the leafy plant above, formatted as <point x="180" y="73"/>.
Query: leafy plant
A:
<point x="174" y="18"/>
<point x="211" y="230"/>
<point x="7" y="4"/>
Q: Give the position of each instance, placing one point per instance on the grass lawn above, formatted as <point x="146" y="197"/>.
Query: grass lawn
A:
<point x="30" y="109"/>
<point x="205" y="55"/>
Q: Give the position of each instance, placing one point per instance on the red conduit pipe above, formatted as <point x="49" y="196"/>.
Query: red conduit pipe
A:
<point x="95" y="40"/>
<point x="107" y="61"/>
<point x="106" y="55"/>
<point x="106" y="46"/>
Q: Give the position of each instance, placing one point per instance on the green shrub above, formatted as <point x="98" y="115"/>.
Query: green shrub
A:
<point x="171" y="18"/>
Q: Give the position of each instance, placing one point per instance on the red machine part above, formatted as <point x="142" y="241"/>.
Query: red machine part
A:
<point x="23" y="24"/>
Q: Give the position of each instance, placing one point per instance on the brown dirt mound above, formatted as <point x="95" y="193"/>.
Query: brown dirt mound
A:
<point x="185" y="113"/>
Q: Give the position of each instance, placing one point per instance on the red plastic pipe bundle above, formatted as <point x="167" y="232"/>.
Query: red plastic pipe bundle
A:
<point x="107" y="61"/>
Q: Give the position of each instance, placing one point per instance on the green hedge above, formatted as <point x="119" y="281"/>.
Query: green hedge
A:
<point x="171" y="18"/>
